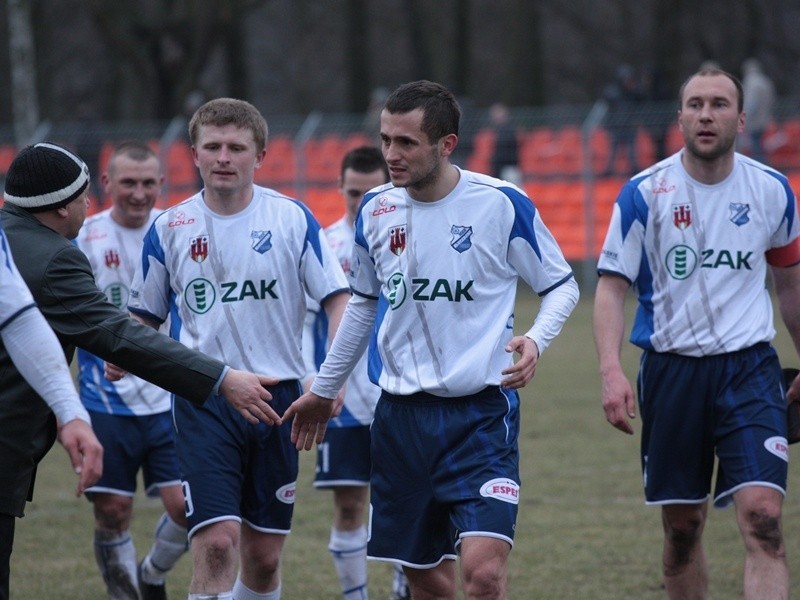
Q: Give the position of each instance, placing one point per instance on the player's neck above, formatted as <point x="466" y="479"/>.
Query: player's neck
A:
<point x="438" y="187"/>
<point x="228" y="202"/>
<point x="707" y="171"/>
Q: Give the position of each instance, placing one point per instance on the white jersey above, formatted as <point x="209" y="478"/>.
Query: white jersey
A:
<point x="445" y="275"/>
<point x="15" y="296"/>
<point x="234" y="286"/>
<point x="113" y="252"/>
<point x="698" y="254"/>
<point x="361" y="395"/>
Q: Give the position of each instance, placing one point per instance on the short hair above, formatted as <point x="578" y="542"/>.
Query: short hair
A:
<point x="441" y="112"/>
<point x="133" y="149"/>
<point x="230" y="111"/>
<point x="711" y="72"/>
<point x="365" y="159"/>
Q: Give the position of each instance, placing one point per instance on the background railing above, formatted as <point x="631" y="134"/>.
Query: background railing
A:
<point x="563" y="157"/>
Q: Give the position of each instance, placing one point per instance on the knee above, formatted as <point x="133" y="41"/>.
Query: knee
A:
<point x="682" y="534"/>
<point x="762" y="527"/>
<point x="216" y="548"/>
<point x="484" y="580"/>
<point x="264" y="563"/>
<point x="112" y="513"/>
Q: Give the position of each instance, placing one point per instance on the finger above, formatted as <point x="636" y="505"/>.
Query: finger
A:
<point x="321" y="429"/>
<point x="311" y="434"/>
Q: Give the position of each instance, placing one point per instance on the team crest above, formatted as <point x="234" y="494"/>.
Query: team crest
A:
<point x="397" y="239"/>
<point x="740" y="213"/>
<point x="462" y="237"/>
<point x="112" y="259"/>
<point x="682" y="215"/>
<point x="262" y="241"/>
<point x="199" y="248"/>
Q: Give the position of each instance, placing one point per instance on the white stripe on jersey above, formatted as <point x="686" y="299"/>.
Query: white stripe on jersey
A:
<point x="234" y="286"/>
<point x="446" y="277"/>
<point x="113" y="252"/>
<point x="701" y="279"/>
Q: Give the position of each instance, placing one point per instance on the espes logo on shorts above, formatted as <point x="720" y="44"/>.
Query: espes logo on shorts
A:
<point x="286" y="493"/>
<point x="778" y="446"/>
<point x="502" y="489"/>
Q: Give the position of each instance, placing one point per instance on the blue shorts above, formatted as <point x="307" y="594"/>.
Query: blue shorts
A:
<point x="233" y="470"/>
<point x="131" y="443"/>
<point x="442" y="469"/>
<point x="343" y="459"/>
<point x="730" y="404"/>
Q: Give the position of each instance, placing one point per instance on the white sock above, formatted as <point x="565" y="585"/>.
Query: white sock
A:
<point x="220" y="596"/>
<point x="170" y="543"/>
<point x="349" y="551"/>
<point x="116" y="557"/>
<point x="242" y="592"/>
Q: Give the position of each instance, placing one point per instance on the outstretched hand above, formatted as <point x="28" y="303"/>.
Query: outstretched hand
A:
<point x="311" y="414"/>
<point x="84" y="450"/>
<point x="521" y="372"/>
<point x="247" y="393"/>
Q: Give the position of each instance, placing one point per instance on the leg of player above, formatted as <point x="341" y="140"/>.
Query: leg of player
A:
<point x="684" y="559"/>
<point x="400" y="589"/>
<point x="438" y="582"/>
<point x="484" y="566"/>
<point x="758" y="512"/>
<point x="169" y="545"/>
<point x="113" y="544"/>
<point x="260" y="565"/>
<point x="348" y="543"/>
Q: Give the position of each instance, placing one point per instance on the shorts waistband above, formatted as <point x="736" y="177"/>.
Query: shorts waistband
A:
<point x="430" y="399"/>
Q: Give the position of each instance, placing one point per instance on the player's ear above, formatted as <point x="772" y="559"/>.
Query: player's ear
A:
<point x="447" y="144"/>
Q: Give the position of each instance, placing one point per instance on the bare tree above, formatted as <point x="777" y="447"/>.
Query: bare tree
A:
<point x="24" y="98"/>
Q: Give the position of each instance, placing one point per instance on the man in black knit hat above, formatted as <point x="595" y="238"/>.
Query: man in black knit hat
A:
<point x="45" y="205"/>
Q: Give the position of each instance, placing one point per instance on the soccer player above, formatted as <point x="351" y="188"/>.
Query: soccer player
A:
<point x="231" y="266"/>
<point x="695" y="234"/>
<point x="45" y="206"/>
<point x="31" y="345"/>
<point x="343" y="459"/>
<point x="438" y="254"/>
<point x="131" y="416"/>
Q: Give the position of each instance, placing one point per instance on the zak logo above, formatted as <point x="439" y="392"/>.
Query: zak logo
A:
<point x="739" y="213"/>
<point x="462" y="237"/>
<point x="397" y="239"/>
<point x="262" y="241"/>
<point x="112" y="259"/>
<point x="199" y="248"/>
<point x="682" y="215"/>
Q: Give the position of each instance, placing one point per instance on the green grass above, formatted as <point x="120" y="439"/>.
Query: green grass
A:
<point x="583" y="529"/>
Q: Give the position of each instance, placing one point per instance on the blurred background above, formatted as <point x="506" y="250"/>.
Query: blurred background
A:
<point x="575" y="96"/>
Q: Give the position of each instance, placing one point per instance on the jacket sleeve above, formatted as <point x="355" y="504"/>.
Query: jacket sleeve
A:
<point x="80" y="315"/>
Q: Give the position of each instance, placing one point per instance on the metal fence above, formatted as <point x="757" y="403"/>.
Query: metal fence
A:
<point x="565" y="156"/>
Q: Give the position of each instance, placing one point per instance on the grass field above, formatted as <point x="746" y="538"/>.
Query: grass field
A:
<point x="583" y="530"/>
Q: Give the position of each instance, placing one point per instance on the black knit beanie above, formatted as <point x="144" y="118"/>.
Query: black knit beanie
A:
<point x="45" y="177"/>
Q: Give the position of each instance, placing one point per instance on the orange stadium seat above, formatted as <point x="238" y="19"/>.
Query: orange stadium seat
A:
<point x="323" y="157"/>
<point x="279" y="165"/>
<point x="325" y="203"/>
<point x="7" y="154"/>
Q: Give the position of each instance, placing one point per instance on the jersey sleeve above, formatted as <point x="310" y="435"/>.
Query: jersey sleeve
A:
<point x="622" y="249"/>
<point x="533" y="251"/>
<point x="785" y="242"/>
<point x="320" y="269"/>
<point x="149" y="296"/>
<point x="15" y="297"/>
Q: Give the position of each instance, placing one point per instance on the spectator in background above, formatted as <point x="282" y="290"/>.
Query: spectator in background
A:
<point x="132" y="417"/>
<point x="759" y="104"/>
<point x="505" y="158"/>
<point x="622" y="96"/>
<point x="662" y="111"/>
